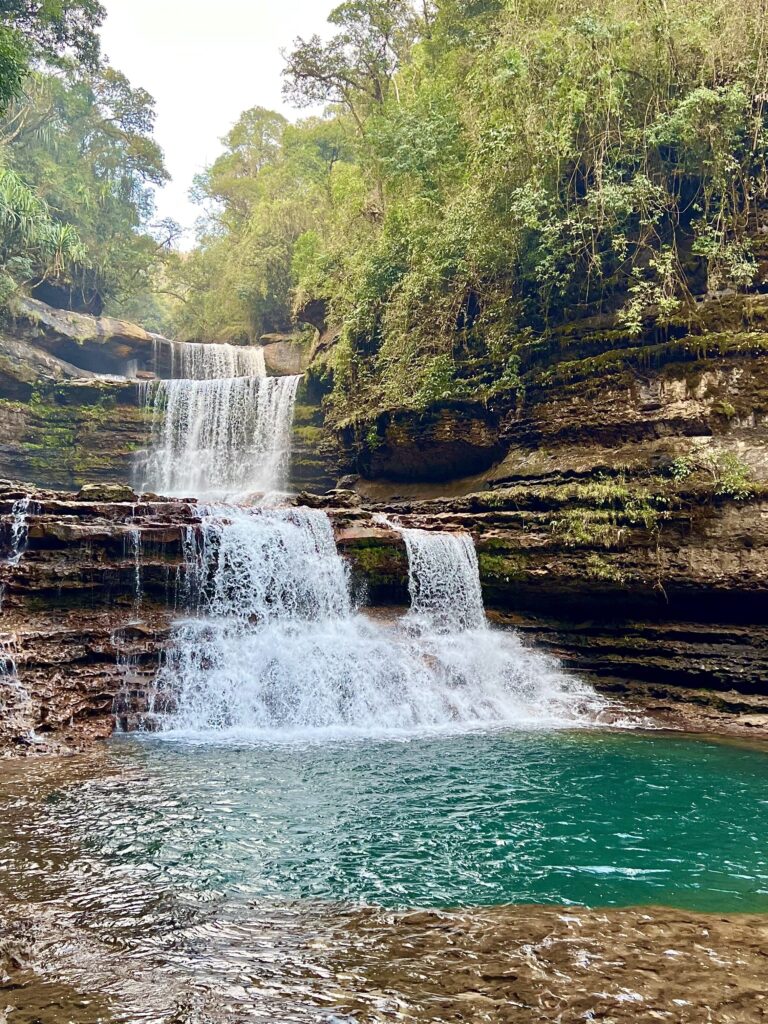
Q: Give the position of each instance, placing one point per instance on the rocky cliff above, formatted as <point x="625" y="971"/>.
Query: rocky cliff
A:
<point x="70" y="416"/>
<point x="618" y="497"/>
<point x="92" y="583"/>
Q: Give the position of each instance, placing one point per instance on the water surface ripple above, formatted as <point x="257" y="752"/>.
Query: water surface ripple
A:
<point x="239" y="867"/>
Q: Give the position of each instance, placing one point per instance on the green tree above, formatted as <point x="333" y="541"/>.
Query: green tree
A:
<point x="357" y="67"/>
<point x="84" y="145"/>
<point x="32" y="243"/>
<point x="34" y="31"/>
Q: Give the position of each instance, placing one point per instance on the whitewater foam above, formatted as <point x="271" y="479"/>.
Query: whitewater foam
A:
<point x="276" y="649"/>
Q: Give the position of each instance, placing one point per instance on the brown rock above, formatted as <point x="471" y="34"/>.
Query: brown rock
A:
<point x="107" y="492"/>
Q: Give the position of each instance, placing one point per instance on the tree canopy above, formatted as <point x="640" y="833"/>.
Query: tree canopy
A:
<point x="489" y="169"/>
<point x="483" y="171"/>
<point x="77" y="163"/>
<point x="45" y="30"/>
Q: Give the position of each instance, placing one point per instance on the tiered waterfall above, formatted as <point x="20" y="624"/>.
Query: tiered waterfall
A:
<point x="221" y="427"/>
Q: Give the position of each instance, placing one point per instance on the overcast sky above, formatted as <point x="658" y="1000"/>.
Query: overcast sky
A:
<point x="204" y="62"/>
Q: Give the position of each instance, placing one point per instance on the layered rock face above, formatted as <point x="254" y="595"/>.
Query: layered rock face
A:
<point x="618" y="501"/>
<point x="70" y="416"/>
<point x="66" y="417"/>
<point x="623" y="525"/>
<point x="92" y="585"/>
<point x="88" y="595"/>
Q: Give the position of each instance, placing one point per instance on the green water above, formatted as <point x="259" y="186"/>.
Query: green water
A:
<point x="586" y="818"/>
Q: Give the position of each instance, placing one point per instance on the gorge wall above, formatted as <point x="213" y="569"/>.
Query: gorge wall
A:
<point x="617" y="499"/>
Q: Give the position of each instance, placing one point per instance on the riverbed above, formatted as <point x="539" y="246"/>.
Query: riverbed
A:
<point x="511" y="876"/>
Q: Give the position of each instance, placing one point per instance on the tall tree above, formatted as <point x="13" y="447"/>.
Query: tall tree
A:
<point x="35" y="31"/>
<point x="357" y="67"/>
<point x="252" y="144"/>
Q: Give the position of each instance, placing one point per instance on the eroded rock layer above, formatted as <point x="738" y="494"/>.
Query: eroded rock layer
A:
<point x="92" y="585"/>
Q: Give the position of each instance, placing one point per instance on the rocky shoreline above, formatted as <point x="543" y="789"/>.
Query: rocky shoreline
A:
<point x="522" y="965"/>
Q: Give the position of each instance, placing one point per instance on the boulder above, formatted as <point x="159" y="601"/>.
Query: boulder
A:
<point x="98" y="344"/>
<point x="23" y="365"/>
<point x="284" y="354"/>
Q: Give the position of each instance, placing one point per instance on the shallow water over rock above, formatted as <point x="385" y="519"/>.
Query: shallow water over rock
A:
<point x="169" y="882"/>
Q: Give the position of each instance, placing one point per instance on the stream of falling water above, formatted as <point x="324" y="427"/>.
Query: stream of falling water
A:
<point x="273" y="644"/>
<point x="22" y="508"/>
<point x="444" y="580"/>
<point x="276" y="647"/>
<point x="203" y="362"/>
<point x="220" y="426"/>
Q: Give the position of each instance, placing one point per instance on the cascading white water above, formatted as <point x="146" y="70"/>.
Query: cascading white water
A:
<point x="276" y="646"/>
<point x="217" y="437"/>
<point x="444" y="580"/>
<point x="192" y="361"/>
<point x="22" y="508"/>
<point x="220" y="426"/>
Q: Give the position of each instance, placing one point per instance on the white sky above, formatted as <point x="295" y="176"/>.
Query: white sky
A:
<point x="204" y="62"/>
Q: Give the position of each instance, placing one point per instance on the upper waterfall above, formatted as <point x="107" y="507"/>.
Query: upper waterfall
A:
<point x="189" y="360"/>
<point x="221" y="428"/>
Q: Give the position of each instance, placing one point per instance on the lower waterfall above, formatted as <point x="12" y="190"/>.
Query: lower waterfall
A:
<point x="274" y="645"/>
<point x="444" y="580"/>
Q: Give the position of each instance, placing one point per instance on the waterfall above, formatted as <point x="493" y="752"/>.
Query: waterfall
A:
<point x="133" y="548"/>
<point x="444" y="580"/>
<point x="192" y="361"/>
<point x="200" y="362"/>
<point x="274" y="646"/>
<point x="222" y="427"/>
<point x="20" y="512"/>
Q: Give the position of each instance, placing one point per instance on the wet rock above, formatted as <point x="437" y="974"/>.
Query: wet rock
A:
<point x="284" y="354"/>
<point x="442" y="443"/>
<point x="347" y="483"/>
<point x="333" y="499"/>
<point x="107" y="492"/>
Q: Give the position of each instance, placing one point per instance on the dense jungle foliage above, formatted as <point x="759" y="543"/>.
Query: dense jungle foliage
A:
<point x="482" y="172"/>
<point x="486" y="170"/>
<point x="77" y="162"/>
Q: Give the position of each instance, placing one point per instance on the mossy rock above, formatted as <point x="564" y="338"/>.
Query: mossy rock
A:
<point x="107" y="492"/>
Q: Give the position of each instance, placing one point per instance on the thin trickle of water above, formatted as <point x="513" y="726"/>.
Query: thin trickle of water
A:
<point x="22" y="508"/>
<point x="15" y="698"/>
<point x="126" y="662"/>
<point x="8" y="667"/>
<point x="134" y="549"/>
<point x="276" y="646"/>
<point x="220" y="436"/>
